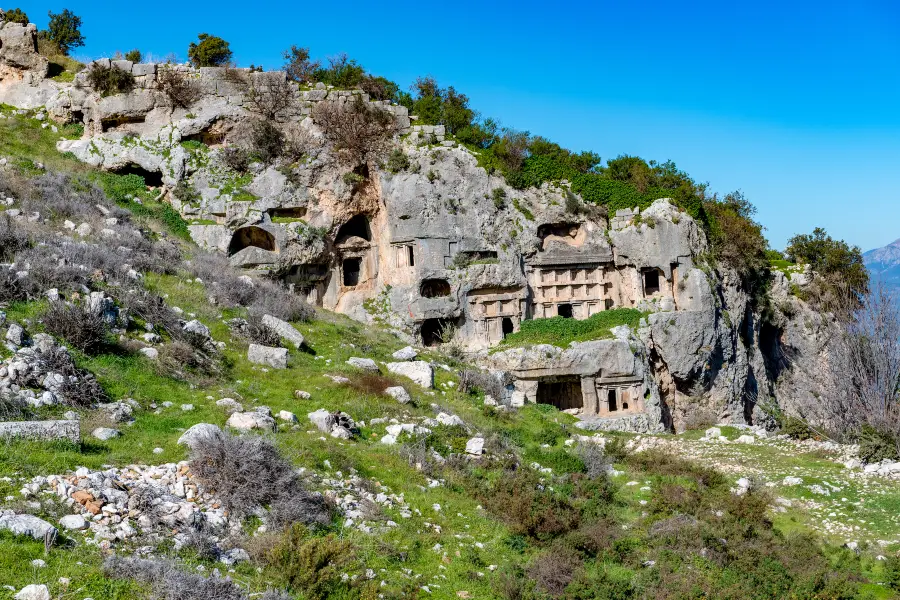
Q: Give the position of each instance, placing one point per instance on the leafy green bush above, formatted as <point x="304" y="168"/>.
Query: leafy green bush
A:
<point x="313" y="565"/>
<point x="561" y="331"/>
<point x="109" y="80"/>
<point x="210" y="51"/>
<point x="840" y="264"/>
<point x="134" y="56"/>
<point x="892" y="573"/>
<point x="298" y="66"/>
<point x="398" y="161"/>
<point x="353" y="179"/>
<point x="341" y="72"/>
<point x="875" y="445"/>
<point x="64" y="30"/>
<point x="16" y="15"/>
<point x="796" y="429"/>
<point x="499" y="196"/>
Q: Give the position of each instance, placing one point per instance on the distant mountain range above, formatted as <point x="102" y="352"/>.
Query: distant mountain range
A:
<point x="884" y="264"/>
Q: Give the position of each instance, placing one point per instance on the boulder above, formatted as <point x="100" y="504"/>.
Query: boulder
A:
<point x="284" y="329"/>
<point x="105" y="433"/>
<point x="68" y="430"/>
<point x="230" y="405"/>
<point x="265" y="355"/>
<point x="399" y="394"/>
<point x="151" y="353"/>
<point x="419" y="371"/>
<point x="247" y="421"/>
<point x="288" y="416"/>
<point x="366" y="364"/>
<point x="450" y="420"/>
<point x="713" y="433"/>
<point x="301" y="395"/>
<point x="27" y="525"/>
<point x="33" y="591"/>
<point x="408" y="353"/>
<point x="73" y="522"/>
<point x="323" y="420"/>
<point x="475" y="446"/>
<point x="197" y="328"/>
<point x="197" y="433"/>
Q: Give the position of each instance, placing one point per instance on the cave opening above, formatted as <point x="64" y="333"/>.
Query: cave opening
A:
<point x="151" y="178"/>
<point x="564" y="393"/>
<point x="358" y="226"/>
<point x="352" y="270"/>
<point x="251" y="236"/>
<point x="435" y="288"/>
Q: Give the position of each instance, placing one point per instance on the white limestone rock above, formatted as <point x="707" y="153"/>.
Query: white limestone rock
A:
<point x="196" y="434"/>
<point x="265" y="355"/>
<point x="408" y="353"/>
<point x="419" y="371"/>
<point x="399" y="394"/>
<point x="248" y="421"/>
<point x="284" y="329"/>
<point x="366" y="364"/>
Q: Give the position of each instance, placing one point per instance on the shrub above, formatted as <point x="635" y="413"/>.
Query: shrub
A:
<point x="737" y="240"/>
<point x="210" y="51"/>
<point x="12" y="239"/>
<point x="398" y="161"/>
<point x="254" y="330"/>
<point x="64" y="30"/>
<point x="596" y="461"/>
<point x="235" y="158"/>
<point x="134" y="56"/>
<point x="379" y="88"/>
<point x="553" y="571"/>
<point x="180" y="359"/>
<point x="80" y="326"/>
<point x="79" y="388"/>
<point x="499" y="196"/>
<point x="109" y="80"/>
<point x="266" y="140"/>
<point x="169" y="582"/>
<point x="312" y="566"/>
<point x="12" y="408"/>
<point x="528" y="508"/>
<point x="16" y="15"/>
<point x="276" y="300"/>
<point x="177" y="86"/>
<point x="616" y="449"/>
<point x="269" y="98"/>
<point x="342" y="72"/>
<point x="298" y="66"/>
<point x="796" y="429"/>
<point x="358" y="130"/>
<point x="892" y="573"/>
<point x="840" y="265"/>
<point x="12" y="287"/>
<point x="472" y="381"/>
<point x="249" y="473"/>
<point x="875" y="445"/>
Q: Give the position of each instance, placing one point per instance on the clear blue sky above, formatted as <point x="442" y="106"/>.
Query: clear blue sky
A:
<point x="795" y="103"/>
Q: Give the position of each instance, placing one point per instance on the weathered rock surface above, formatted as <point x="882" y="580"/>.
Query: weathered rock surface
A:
<point x="284" y="329"/>
<point x="419" y="371"/>
<point x="264" y="355"/>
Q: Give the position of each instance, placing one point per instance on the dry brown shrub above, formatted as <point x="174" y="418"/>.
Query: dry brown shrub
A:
<point x="358" y="130"/>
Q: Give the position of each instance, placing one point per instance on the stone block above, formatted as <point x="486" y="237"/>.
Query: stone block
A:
<point x="41" y="430"/>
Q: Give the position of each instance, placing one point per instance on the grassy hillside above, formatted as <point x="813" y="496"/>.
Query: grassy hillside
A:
<point x="544" y="513"/>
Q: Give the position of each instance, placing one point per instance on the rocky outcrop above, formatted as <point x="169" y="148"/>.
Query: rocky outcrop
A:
<point x="437" y="248"/>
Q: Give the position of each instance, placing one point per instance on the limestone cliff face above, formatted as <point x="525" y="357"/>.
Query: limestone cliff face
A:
<point x="443" y="248"/>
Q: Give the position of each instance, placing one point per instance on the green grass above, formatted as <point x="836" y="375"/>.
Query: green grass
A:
<point x="560" y="331"/>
